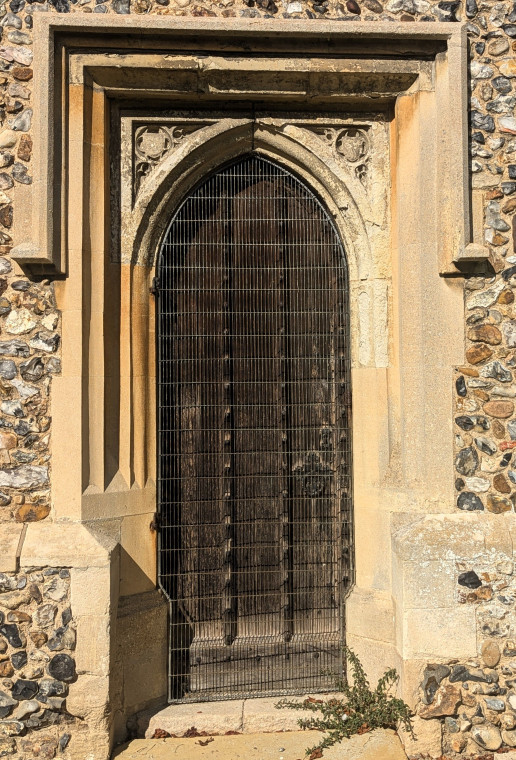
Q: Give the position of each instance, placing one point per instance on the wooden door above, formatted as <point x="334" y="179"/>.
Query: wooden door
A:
<point x="254" y="436"/>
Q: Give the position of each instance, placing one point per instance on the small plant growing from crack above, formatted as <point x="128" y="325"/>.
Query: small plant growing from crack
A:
<point x="361" y="709"/>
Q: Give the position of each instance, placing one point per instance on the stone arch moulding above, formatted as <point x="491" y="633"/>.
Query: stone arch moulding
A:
<point x="303" y="146"/>
<point x="150" y="209"/>
<point x="92" y="76"/>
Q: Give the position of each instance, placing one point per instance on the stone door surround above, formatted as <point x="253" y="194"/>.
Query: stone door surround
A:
<point x="109" y="94"/>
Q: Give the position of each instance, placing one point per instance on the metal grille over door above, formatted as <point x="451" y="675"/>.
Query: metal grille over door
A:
<point x="254" y="436"/>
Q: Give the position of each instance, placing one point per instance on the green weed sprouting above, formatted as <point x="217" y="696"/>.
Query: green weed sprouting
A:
<point x="359" y="710"/>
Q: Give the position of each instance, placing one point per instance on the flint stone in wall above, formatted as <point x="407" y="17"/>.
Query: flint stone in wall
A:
<point x="66" y="616"/>
<point x="477" y="485"/>
<point x="25" y="476"/>
<point x="466" y="461"/>
<point x="53" y="365"/>
<point x="447" y="699"/>
<point x="487" y="737"/>
<point x="508" y="124"/>
<point x="32" y="370"/>
<point x="497" y="705"/>
<point x="11" y="727"/>
<point x="5" y="266"/>
<point x="23" y="689"/>
<point x="481" y="121"/>
<point x="509" y="738"/>
<point x="485" y="445"/>
<point x="62" y="638"/>
<point x="57" y="589"/>
<point x="7" y="583"/>
<point x="432" y="678"/>
<point x="469" y="502"/>
<point x="44" y="615"/>
<point x="466" y="422"/>
<point x="121" y="6"/>
<point x="509" y="332"/>
<point x="462" y="673"/>
<point x="7" y="369"/>
<point x="486" y="334"/>
<point x="13" y="599"/>
<point x="471" y="580"/>
<point x="45" y="341"/>
<point x="26" y="708"/>
<point x="14" y="348"/>
<point x="11" y="20"/>
<point x="6" y="704"/>
<point x="11" y="633"/>
<point x="487" y="297"/>
<point x="19" y="321"/>
<point x="24" y="389"/>
<point x="42" y="719"/>
<point x="49" y="687"/>
<point x="497" y="371"/>
<point x="12" y="408"/>
<point x="478" y="353"/>
<point x="62" y="667"/>
<point x="481" y="71"/>
<point x="498" y="504"/>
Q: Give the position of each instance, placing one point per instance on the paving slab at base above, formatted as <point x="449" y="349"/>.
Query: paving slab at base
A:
<point x="378" y="745"/>
<point x="246" y="716"/>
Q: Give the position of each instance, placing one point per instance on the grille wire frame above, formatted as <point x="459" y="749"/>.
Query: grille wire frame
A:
<point x="321" y="472"/>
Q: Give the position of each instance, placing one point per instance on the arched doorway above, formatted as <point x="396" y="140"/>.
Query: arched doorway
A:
<point x="254" y="471"/>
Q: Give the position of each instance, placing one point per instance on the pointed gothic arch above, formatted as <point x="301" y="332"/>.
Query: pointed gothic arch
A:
<point x="254" y="452"/>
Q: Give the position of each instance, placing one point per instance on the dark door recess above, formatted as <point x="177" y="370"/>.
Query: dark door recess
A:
<point x="254" y="436"/>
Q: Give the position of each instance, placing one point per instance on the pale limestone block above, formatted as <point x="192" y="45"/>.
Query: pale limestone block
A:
<point x="63" y="545"/>
<point x="66" y="460"/>
<point x="372" y="528"/>
<point x="427" y="739"/>
<point x="88" y="695"/>
<point x="215" y="717"/>
<point x="261" y="715"/>
<point x="411" y="676"/>
<point x="9" y="541"/>
<point x="93" y="651"/>
<point x="375" y="656"/>
<point x="370" y="614"/>
<point x="365" y="342"/>
<point x="427" y="584"/>
<point x="139" y="556"/>
<point x="90" y="591"/>
<point x="141" y="658"/>
<point x="440" y="633"/>
<point x="498" y="533"/>
<point x="440" y="536"/>
<point x="371" y="442"/>
<point x="90" y="741"/>
<point x="381" y="323"/>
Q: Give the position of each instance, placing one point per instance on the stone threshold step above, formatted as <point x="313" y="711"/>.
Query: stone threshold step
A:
<point x="246" y="716"/>
<point x="378" y="745"/>
<point x="243" y="715"/>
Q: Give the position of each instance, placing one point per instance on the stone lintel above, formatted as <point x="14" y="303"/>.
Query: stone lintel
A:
<point x="393" y="46"/>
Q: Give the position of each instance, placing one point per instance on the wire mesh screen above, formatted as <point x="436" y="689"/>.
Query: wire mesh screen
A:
<point x="254" y="437"/>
